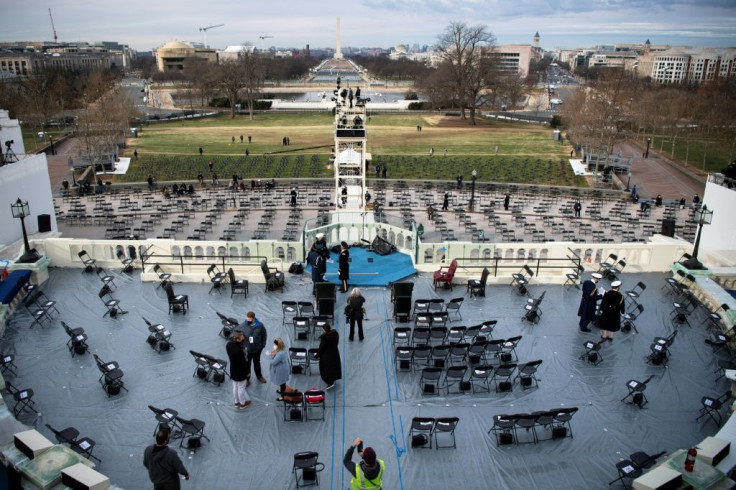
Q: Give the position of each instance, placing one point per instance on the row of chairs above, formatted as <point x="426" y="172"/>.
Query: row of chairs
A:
<point x="498" y="351"/>
<point x="423" y="429"/>
<point x="481" y="376"/>
<point x="80" y="445"/>
<point x="436" y="311"/>
<point x="209" y="368"/>
<point x="427" y="335"/>
<point x="191" y="430"/>
<point x="556" y="423"/>
<point x="299" y="406"/>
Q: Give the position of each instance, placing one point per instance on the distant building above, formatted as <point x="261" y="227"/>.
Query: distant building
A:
<point x="517" y="57"/>
<point x="25" y="58"/>
<point x="690" y="65"/>
<point x="232" y="52"/>
<point x="174" y="55"/>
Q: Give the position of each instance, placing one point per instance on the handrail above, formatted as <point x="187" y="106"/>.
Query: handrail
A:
<point x="221" y="260"/>
<point x="538" y="261"/>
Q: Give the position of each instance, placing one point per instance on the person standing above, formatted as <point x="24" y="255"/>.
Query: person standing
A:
<point x="163" y="464"/>
<point x="586" y="310"/>
<point x="241" y="138"/>
<point x="318" y="267"/>
<point x="612" y="307"/>
<point x="577" y="207"/>
<point x="201" y="151"/>
<point x="383" y="172"/>
<point x="279" y="367"/>
<point x="354" y="313"/>
<point x="506" y="202"/>
<point x="320" y="246"/>
<point x="255" y="341"/>
<point x="249" y="139"/>
<point x="292" y="200"/>
<point x="459" y="182"/>
<point x="343" y="267"/>
<point x="658" y="200"/>
<point x="238" y="368"/>
<point x="369" y="472"/>
<point x="367" y="197"/>
<point x="328" y="354"/>
<point x="135" y="154"/>
<point x="446" y="201"/>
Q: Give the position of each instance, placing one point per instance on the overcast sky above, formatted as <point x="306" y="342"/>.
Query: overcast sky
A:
<point x="372" y="23"/>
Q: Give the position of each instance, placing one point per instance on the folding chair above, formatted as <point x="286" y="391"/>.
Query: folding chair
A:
<point x="455" y="375"/>
<point x="420" y="336"/>
<point x="289" y="309"/>
<point x="127" y="262"/>
<point x="494" y="348"/>
<point x="87" y="261"/>
<point x="306" y="469"/>
<point x="430" y="381"/>
<point x="504" y="428"/>
<point x="477" y="287"/>
<point x="106" y="278"/>
<point x="166" y="420"/>
<point x="477" y="352"/>
<point x="472" y="333"/>
<point x="421" y="431"/>
<point x="217" y="278"/>
<point x="402" y="336"/>
<point x="607" y="264"/>
<point x="591" y="352"/>
<point x="438" y="358"/>
<point x="300" y="363"/>
<point x="521" y="279"/>
<point x="314" y="399"/>
<point x="177" y="302"/>
<point x="715" y="318"/>
<point x="162" y="276"/>
<point x="712" y="407"/>
<point x="193" y="431"/>
<point x="111" y="379"/>
<point x="673" y="284"/>
<point x="508" y="349"/>
<point x="458" y="354"/>
<point x="306" y="308"/>
<point x="38" y="313"/>
<point x="613" y="272"/>
<point x="455" y="335"/>
<point x="634" y="294"/>
<point x="453" y="306"/>
<point x="112" y="304"/>
<point x="23" y="399"/>
<point x="630" y="317"/>
<point x="486" y="330"/>
<point x="237" y="286"/>
<point x="436" y="305"/>
<point x="420" y="306"/>
<point x="423" y="320"/>
<point x="533" y="310"/>
<point x="437" y="335"/>
<point x="636" y="392"/>
<point x="573" y="278"/>
<point x="659" y="349"/>
<point x="301" y="328"/>
<point x="439" y="318"/>
<point x="159" y="338"/>
<point x="317" y="324"/>
<point x="422" y="356"/>
<point x="293" y="406"/>
<point x="527" y="374"/>
<point x="445" y="277"/>
<point x="502" y="377"/>
<point x="445" y="425"/>
<point x="274" y="278"/>
<point x="528" y="422"/>
<point x="480" y="377"/>
<point x="77" y="343"/>
<point x="562" y="423"/>
<point x="7" y="365"/>
<point x="633" y="467"/>
<point x="83" y="446"/>
<point x="228" y="325"/>
<point x="403" y="358"/>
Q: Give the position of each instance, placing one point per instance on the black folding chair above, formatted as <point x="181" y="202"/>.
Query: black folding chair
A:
<point x="23" y="399"/>
<point x="306" y="469"/>
<point x="712" y="407"/>
<point x="636" y="394"/>
<point x="421" y="432"/>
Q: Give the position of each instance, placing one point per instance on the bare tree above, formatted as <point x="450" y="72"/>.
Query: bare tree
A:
<point x="243" y="74"/>
<point x="468" y="52"/>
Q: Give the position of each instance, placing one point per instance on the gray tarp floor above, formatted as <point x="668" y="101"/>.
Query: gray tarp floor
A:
<point x="254" y="448"/>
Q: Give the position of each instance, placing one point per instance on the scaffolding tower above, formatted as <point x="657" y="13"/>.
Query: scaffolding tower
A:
<point x="351" y="155"/>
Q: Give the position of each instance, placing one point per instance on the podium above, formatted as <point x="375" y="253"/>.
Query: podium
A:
<point x="326" y="298"/>
<point x="401" y="293"/>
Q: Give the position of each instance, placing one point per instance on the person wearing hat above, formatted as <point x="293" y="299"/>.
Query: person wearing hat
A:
<point x="612" y="307"/>
<point x="369" y="472"/>
<point x="343" y="267"/>
<point x="590" y="296"/>
<point x="320" y="246"/>
<point x="292" y="199"/>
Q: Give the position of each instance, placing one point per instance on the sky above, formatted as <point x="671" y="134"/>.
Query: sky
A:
<point x="372" y="23"/>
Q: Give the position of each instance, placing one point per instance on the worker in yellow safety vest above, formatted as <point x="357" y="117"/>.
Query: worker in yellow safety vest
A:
<point x="369" y="472"/>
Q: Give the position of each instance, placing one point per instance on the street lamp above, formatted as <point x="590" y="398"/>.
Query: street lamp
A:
<point x="646" y="153"/>
<point x="20" y="210"/>
<point x="474" y="175"/>
<point x="701" y="216"/>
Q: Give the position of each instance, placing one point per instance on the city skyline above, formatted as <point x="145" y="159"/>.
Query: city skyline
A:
<point x="377" y="23"/>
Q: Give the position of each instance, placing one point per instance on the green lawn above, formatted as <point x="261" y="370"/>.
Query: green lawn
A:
<point x="709" y="155"/>
<point x="504" y="152"/>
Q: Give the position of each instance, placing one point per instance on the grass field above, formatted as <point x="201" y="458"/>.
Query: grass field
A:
<point x="709" y="155"/>
<point x="503" y="152"/>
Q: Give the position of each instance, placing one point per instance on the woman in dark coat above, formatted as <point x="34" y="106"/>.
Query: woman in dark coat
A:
<point x="330" y="367"/>
<point x="343" y="268"/>
<point x="612" y="307"/>
<point x="354" y="313"/>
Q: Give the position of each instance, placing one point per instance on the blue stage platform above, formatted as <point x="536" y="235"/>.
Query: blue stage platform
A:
<point x="383" y="270"/>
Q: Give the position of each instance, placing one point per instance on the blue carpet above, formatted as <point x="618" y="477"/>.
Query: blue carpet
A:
<point x="381" y="272"/>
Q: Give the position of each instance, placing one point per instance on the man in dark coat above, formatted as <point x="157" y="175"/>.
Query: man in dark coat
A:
<point x="163" y="464"/>
<point x="612" y="307"/>
<point x="586" y="311"/>
<point x="255" y="342"/>
<point x="330" y="367"/>
<point x="343" y="267"/>
<point x="238" y="369"/>
<point x="318" y="267"/>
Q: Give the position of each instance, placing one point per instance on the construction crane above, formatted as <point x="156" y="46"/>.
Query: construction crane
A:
<point x="52" y="26"/>
<point x="262" y="38"/>
<point x="205" y="29"/>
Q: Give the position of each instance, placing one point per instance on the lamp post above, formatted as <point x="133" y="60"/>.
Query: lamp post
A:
<point x="646" y="153"/>
<point x="474" y="175"/>
<point x="701" y="216"/>
<point x="20" y="210"/>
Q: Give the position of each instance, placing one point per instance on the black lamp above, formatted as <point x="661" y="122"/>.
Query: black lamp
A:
<point x="473" y="176"/>
<point x="20" y="210"/>
<point x="701" y="216"/>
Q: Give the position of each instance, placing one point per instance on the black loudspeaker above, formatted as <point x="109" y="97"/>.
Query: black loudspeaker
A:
<point x="218" y="377"/>
<point x="504" y="386"/>
<point x="112" y="389"/>
<point x="164" y="346"/>
<point x="505" y="357"/>
<point x="593" y="357"/>
<point x="474" y="359"/>
<point x="151" y="340"/>
<point x="201" y="372"/>
<point x="427" y="388"/>
<point x="637" y="399"/>
<point x="419" y="440"/>
<point x="194" y="442"/>
<point x="439" y="363"/>
<point x="465" y="386"/>
<point x="309" y="474"/>
<point x="525" y="381"/>
<point x="559" y="432"/>
<point x="44" y="223"/>
<point x="668" y="227"/>
<point x="295" y="414"/>
<point x="505" y="438"/>
<point x="296" y="369"/>
<point x="381" y="246"/>
<point x="80" y="349"/>
<point x="404" y="364"/>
